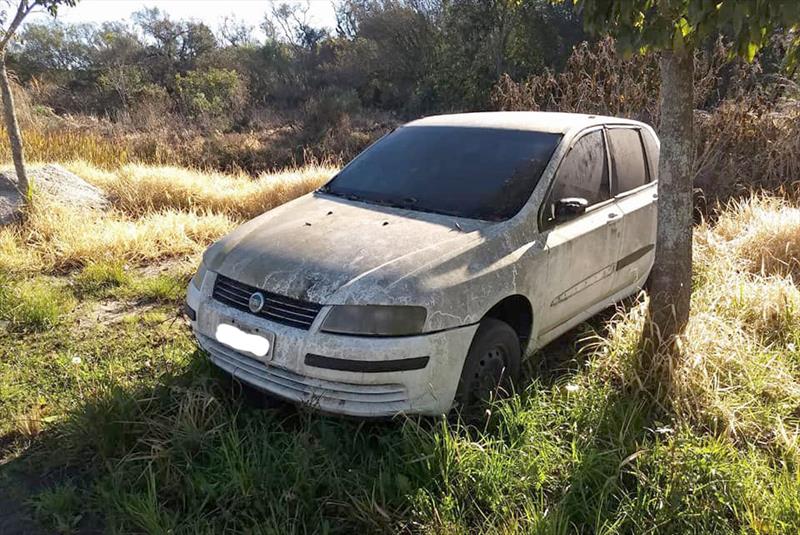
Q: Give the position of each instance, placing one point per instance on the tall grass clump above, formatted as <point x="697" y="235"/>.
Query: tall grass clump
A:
<point x="760" y="235"/>
<point x="99" y="277"/>
<point x="138" y="189"/>
<point x="158" y="213"/>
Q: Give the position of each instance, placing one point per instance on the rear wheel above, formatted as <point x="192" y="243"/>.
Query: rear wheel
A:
<point x="491" y="367"/>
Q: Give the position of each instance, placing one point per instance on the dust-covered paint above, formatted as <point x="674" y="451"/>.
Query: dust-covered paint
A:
<point x="334" y="251"/>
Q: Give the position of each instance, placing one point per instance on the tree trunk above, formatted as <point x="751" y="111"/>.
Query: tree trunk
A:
<point x="12" y="127"/>
<point x="671" y="279"/>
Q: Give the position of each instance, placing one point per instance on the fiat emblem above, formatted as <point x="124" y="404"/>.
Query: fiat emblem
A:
<point x="256" y="302"/>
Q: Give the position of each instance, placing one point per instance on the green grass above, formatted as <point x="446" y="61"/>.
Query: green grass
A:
<point x="33" y="305"/>
<point x="59" y="508"/>
<point x="163" y="288"/>
<point x="114" y="280"/>
<point x="164" y="443"/>
<point x="100" y="278"/>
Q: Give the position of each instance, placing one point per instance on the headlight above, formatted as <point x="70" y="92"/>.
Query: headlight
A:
<point x="375" y="320"/>
<point x="197" y="280"/>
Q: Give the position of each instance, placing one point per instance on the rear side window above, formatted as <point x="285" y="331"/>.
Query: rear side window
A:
<point x="583" y="171"/>
<point x="627" y="159"/>
<point x="651" y="146"/>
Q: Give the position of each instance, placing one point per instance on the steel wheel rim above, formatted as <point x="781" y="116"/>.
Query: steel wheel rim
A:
<point x="487" y="380"/>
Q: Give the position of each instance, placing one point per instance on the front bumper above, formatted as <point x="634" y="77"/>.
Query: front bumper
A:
<point x="429" y="390"/>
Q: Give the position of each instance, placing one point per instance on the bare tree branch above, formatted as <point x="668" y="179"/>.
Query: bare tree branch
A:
<point x="23" y="10"/>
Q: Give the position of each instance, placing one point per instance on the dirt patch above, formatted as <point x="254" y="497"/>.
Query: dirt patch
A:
<point x="109" y="312"/>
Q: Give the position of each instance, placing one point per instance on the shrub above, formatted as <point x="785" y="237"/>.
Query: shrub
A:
<point x="329" y="109"/>
<point x="217" y="97"/>
<point x="596" y="80"/>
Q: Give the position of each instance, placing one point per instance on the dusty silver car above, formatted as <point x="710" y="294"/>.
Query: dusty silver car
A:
<point x="420" y="275"/>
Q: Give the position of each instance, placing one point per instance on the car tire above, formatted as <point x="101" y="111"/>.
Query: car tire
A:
<point x="492" y="366"/>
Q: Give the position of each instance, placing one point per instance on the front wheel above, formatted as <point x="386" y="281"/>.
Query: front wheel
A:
<point x="491" y="367"/>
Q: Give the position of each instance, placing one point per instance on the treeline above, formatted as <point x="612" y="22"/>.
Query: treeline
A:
<point x="170" y="91"/>
<point x="408" y="57"/>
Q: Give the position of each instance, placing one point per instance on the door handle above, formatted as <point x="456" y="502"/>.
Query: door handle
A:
<point x="613" y="215"/>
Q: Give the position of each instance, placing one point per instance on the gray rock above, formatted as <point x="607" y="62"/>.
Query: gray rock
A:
<point x="53" y="181"/>
<point x="10" y="200"/>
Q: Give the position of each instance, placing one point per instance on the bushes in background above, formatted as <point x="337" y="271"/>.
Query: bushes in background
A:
<point x="212" y="97"/>
<point x="747" y="130"/>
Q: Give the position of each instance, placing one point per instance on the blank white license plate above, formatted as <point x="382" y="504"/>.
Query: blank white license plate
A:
<point x="257" y="344"/>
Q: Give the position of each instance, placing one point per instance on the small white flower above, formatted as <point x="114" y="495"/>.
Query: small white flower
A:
<point x="76" y="360"/>
<point x="572" y="387"/>
<point x="791" y="347"/>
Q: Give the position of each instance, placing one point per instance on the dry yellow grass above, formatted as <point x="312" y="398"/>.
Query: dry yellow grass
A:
<point x="59" y="238"/>
<point x="60" y="144"/>
<point x="761" y="235"/>
<point x="140" y="189"/>
<point x="742" y="367"/>
<point x="740" y="371"/>
<point x="159" y="212"/>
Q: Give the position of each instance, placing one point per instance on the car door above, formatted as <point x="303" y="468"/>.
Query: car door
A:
<point x="633" y="173"/>
<point x="582" y="251"/>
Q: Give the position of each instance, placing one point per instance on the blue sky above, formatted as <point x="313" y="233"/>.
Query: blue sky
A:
<point x="209" y="11"/>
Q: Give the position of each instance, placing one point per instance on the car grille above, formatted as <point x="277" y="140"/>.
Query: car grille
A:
<point x="277" y="308"/>
<point x="391" y="398"/>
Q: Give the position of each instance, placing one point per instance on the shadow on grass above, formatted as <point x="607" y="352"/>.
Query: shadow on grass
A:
<point x="198" y="453"/>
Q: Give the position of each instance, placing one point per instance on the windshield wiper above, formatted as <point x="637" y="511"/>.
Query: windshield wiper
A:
<point x="406" y="203"/>
<point x="349" y="196"/>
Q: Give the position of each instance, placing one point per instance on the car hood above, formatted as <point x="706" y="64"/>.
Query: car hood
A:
<point x="318" y="245"/>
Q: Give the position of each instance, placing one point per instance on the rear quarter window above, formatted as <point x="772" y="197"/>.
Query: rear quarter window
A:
<point x="652" y="149"/>
<point x="627" y="159"/>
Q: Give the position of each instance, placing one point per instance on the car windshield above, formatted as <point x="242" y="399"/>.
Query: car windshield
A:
<point x="472" y="172"/>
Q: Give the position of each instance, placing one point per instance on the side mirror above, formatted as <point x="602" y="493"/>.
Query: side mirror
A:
<point x="569" y="208"/>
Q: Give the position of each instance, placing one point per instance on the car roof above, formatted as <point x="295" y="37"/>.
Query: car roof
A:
<point x="534" y="121"/>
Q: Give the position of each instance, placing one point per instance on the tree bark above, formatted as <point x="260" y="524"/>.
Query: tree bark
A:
<point x="12" y="128"/>
<point x="671" y="279"/>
